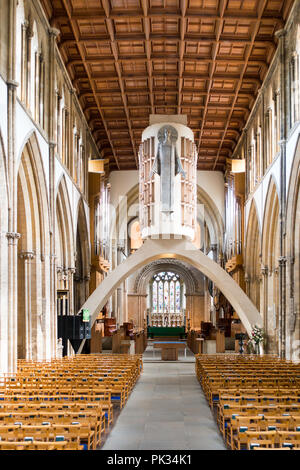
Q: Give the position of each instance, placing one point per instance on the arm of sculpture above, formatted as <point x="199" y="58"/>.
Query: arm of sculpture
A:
<point x="178" y="166"/>
<point x="156" y="166"/>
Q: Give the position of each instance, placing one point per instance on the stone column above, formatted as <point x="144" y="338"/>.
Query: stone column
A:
<point x="53" y="33"/>
<point x="53" y="275"/>
<point x="264" y="272"/>
<point x="27" y="256"/>
<point x="282" y="306"/>
<point x="71" y="165"/>
<point x="282" y="211"/>
<point x="292" y="315"/>
<point x="125" y="304"/>
<point x="25" y="26"/>
<point x="12" y="235"/>
<point x="71" y="272"/>
<point x="28" y="97"/>
<point x="247" y="183"/>
<point x="12" y="312"/>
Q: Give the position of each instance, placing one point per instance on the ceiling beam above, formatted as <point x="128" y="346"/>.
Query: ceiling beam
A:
<point x="110" y="28"/>
<point x="68" y="9"/>
<point x="262" y="6"/>
<point x="146" y="24"/>
<point x="222" y="7"/>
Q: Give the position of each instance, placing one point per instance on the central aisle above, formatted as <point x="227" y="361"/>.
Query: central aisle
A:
<point x="166" y="410"/>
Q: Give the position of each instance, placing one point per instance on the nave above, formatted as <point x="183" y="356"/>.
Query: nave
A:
<point x="166" y="410"/>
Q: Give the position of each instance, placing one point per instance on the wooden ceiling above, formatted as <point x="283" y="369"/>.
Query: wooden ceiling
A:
<point x="131" y="58"/>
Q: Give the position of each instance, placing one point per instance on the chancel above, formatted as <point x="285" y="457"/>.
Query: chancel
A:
<point x="149" y="221"/>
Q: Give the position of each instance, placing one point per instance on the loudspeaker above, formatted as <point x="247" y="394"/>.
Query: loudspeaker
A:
<point x="72" y="327"/>
<point x="88" y="333"/>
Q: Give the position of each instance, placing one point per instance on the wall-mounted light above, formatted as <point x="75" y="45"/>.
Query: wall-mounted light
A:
<point x="237" y="165"/>
<point x="97" y="166"/>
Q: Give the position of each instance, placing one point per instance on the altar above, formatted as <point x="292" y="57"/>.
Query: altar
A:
<point x="166" y="332"/>
<point x="169" y="349"/>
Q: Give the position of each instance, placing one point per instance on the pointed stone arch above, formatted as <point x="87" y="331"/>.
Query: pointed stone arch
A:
<point x="213" y="218"/>
<point x="165" y="265"/>
<point x="35" y="329"/>
<point x="181" y="250"/>
<point x="4" y="320"/>
<point x="270" y="261"/>
<point x="82" y="259"/>
<point x="253" y="256"/>
<point x="65" y="225"/>
<point x="293" y="257"/>
<point x="64" y="249"/>
<point x="270" y="229"/>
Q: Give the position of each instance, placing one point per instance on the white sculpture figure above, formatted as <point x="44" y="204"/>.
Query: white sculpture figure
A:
<point x="59" y="348"/>
<point x="167" y="165"/>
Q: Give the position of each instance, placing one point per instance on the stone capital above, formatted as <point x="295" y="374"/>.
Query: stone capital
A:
<point x="280" y="33"/>
<point x="12" y="237"/>
<point x="54" y="32"/>
<point x="264" y="270"/>
<point x="27" y="255"/>
<point x="12" y="84"/>
<point x="282" y="260"/>
<point x="25" y="24"/>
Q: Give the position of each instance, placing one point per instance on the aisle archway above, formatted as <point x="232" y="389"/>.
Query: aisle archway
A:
<point x="34" y="325"/>
<point x="82" y="260"/>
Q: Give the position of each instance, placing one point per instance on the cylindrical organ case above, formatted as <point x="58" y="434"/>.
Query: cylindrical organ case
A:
<point x="168" y="172"/>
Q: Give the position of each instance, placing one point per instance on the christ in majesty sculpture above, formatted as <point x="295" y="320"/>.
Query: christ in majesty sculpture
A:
<point x="167" y="165"/>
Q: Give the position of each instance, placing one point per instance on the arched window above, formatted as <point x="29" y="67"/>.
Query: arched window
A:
<point x="74" y="170"/>
<point x="59" y="124"/>
<point x="34" y="76"/>
<point x="81" y="166"/>
<point x="40" y="92"/>
<point x="294" y="80"/>
<point x="65" y="121"/>
<point x="21" y="48"/>
<point x="167" y="293"/>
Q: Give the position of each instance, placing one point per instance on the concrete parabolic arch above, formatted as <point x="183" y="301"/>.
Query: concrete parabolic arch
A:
<point x="184" y="250"/>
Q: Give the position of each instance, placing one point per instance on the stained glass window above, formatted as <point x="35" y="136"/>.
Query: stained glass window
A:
<point x="166" y="296"/>
<point x="178" y="299"/>
<point x="160" y="296"/>
<point x="166" y="293"/>
<point x="172" y="306"/>
<point x="154" y="297"/>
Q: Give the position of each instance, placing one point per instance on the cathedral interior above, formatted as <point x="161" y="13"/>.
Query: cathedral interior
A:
<point x="150" y="221"/>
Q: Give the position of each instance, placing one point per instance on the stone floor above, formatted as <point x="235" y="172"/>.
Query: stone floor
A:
<point x="166" y="410"/>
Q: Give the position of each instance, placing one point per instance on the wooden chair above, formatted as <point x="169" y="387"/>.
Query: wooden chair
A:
<point x="289" y="439"/>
